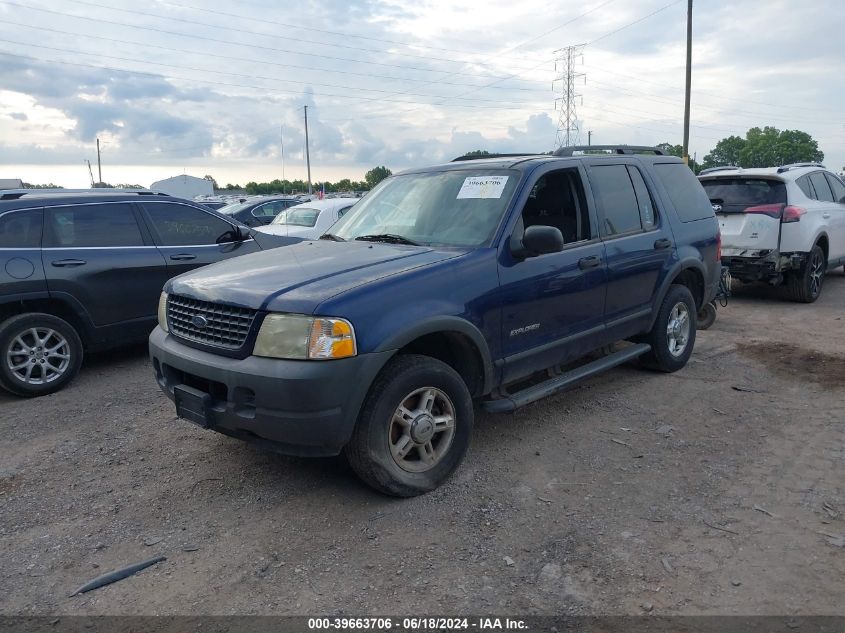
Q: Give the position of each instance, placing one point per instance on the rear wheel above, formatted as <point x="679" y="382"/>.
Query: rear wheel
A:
<point x="673" y="335"/>
<point x="39" y="354"/>
<point x="414" y="427"/>
<point x="805" y="285"/>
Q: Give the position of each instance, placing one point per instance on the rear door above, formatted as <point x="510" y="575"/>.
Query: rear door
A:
<point x="97" y="255"/>
<point x="638" y="243"/>
<point x="837" y="219"/>
<point x="21" y="270"/>
<point x="189" y="237"/>
<point x="749" y="211"/>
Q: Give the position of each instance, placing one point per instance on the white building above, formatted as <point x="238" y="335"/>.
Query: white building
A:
<point x="11" y="183"/>
<point x="184" y="186"/>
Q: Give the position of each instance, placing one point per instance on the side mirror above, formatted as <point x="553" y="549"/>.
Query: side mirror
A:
<point x="541" y="239"/>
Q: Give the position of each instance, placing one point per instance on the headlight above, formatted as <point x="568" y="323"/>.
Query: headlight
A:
<point x="301" y="337"/>
<point x="162" y="311"/>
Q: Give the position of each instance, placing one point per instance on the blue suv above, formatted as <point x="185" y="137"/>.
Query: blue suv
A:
<point x="497" y="281"/>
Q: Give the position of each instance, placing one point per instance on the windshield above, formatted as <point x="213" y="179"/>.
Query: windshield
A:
<point x="451" y="208"/>
<point x="231" y="209"/>
<point x="298" y="216"/>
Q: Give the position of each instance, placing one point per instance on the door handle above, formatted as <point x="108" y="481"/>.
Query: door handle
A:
<point x="588" y="262"/>
<point x="662" y="243"/>
<point x="61" y="263"/>
<point x="182" y="257"/>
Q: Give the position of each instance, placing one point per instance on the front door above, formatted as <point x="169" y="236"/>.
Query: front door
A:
<point x="189" y="237"/>
<point x="552" y="304"/>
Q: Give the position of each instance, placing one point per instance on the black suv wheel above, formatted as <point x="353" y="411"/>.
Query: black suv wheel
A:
<point x="805" y="285"/>
<point x="39" y="354"/>
<point x="672" y="336"/>
<point x="414" y="427"/>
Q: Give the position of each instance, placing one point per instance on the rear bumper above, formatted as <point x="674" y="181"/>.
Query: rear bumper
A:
<point x="306" y="408"/>
<point x="766" y="268"/>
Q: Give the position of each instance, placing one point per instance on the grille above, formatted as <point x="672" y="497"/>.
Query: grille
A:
<point x="225" y="326"/>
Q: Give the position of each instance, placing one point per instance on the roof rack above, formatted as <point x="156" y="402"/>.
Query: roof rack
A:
<point x="710" y="170"/>
<point x="476" y="157"/>
<point x="784" y="168"/>
<point x="609" y="149"/>
<point x="15" y="194"/>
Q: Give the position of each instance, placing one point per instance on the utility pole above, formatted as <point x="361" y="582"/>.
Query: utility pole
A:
<point x="689" y="82"/>
<point x="589" y="137"/>
<point x="567" y="125"/>
<point x="282" y="141"/>
<point x="99" y="164"/>
<point x="307" y="152"/>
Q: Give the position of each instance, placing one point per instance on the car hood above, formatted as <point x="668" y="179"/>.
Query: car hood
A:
<point x="299" y="277"/>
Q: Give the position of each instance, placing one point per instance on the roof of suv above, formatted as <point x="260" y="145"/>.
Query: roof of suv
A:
<point x="18" y="199"/>
<point x="524" y="162"/>
<point x="785" y="172"/>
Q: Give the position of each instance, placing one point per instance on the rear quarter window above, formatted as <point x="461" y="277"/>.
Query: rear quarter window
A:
<point x="20" y="229"/>
<point x="685" y="191"/>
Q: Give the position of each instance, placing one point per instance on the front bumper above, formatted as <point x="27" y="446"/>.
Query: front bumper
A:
<point x="306" y="408"/>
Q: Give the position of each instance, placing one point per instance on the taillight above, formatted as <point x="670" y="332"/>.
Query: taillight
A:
<point x="719" y="246"/>
<point x="792" y="214"/>
<point x="771" y="210"/>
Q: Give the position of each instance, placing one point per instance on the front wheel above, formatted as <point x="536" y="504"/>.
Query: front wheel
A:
<point x="414" y="427"/>
<point x="39" y="354"/>
<point x="672" y="336"/>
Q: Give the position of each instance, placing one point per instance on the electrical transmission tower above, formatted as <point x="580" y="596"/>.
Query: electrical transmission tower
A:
<point x="565" y="94"/>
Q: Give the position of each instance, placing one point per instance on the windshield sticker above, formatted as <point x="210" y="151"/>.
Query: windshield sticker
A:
<point x="483" y="187"/>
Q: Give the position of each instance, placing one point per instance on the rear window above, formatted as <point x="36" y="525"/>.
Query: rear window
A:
<point x="684" y="191"/>
<point x="735" y="195"/>
<point x="92" y="225"/>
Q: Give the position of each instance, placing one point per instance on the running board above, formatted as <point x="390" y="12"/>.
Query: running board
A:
<point x="559" y="383"/>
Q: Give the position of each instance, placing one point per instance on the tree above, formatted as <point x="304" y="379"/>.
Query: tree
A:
<point x="766" y="147"/>
<point x="211" y="179"/>
<point x="27" y="185"/>
<point x="477" y="153"/>
<point x="376" y="175"/>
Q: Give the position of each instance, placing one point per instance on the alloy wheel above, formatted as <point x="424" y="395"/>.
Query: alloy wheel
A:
<point x="38" y="356"/>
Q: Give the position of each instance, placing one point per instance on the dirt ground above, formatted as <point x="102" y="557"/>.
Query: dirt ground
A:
<point x="716" y="490"/>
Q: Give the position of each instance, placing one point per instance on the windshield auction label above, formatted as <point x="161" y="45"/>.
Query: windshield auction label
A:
<point x="483" y="187"/>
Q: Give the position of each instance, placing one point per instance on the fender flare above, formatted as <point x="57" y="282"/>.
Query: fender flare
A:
<point x="440" y="324"/>
<point x="678" y="268"/>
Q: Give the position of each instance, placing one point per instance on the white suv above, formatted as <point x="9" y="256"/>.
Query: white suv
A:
<point x="780" y="224"/>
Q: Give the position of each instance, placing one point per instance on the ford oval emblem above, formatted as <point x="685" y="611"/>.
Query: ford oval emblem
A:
<point x="199" y="322"/>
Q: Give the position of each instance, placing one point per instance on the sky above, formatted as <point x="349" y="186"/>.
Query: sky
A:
<point x="211" y="87"/>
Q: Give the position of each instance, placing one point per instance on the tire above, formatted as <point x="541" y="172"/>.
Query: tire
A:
<point x="382" y="429"/>
<point x="48" y="372"/>
<point x="706" y="317"/>
<point x="805" y="285"/>
<point x="677" y="302"/>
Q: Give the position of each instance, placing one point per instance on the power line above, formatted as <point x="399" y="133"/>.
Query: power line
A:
<point x="218" y="41"/>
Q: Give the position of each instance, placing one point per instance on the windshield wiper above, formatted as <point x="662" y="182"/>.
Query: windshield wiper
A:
<point x="390" y="238"/>
<point x="332" y="237"/>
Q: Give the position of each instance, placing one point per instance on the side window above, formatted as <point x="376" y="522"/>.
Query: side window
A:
<point x="181" y="225"/>
<point x="616" y="199"/>
<point x="20" y="229"/>
<point x="804" y="184"/>
<point x="341" y="213"/>
<point x="685" y="191"/>
<point x="823" y="191"/>
<point x="557" y="199"/>
<point x="268" y="210"/>
<point x="837" y="187"/>
<point x="92" y="225"/>
<point x="647" y="215"/>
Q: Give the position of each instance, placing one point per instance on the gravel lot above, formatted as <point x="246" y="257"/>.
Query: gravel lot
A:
<point x="716" y="490"/>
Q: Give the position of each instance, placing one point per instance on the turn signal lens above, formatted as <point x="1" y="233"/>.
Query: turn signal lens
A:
<point x="331" y="338"/>
<point x="162" y="312"/>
